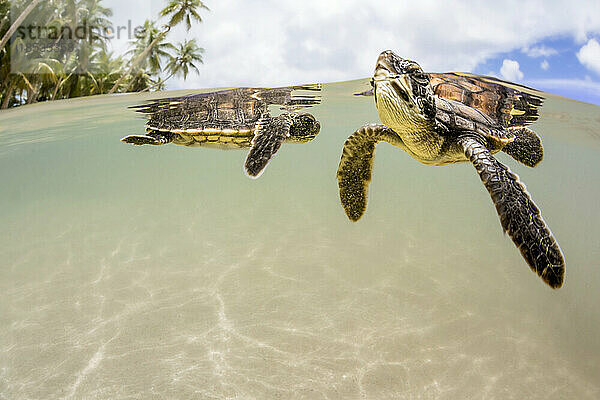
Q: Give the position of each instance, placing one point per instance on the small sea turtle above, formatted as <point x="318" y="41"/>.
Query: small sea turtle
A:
<point x="229" y="119"/>
<point x="438" y="131"/>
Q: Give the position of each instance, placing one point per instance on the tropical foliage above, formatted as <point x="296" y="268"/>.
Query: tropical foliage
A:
<point x="65" y="65"/>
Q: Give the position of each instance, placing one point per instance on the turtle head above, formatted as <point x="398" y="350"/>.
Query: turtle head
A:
<point x="403" y="94"/>
<point x="304" y="127"/>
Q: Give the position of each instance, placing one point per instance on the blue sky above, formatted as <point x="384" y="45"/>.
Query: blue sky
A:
<point x="548" y="44"/>
<point x="553" y="65"/>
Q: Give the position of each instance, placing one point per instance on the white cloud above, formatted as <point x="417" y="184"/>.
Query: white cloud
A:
<point x="511" y="70"/>
<point x="273" y="42"/>
<point x="539" y="51"/>
<point x="589" y="55"/>
<point x="544" y="65"/>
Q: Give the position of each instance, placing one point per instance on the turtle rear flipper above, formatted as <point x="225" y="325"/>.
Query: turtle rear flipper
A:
<point x="526" y="148"/>
<point x="519" y="216"/>
<point x="139" y="140"/>
<point x="269" y="134"/>
<point x="356" y="164"/>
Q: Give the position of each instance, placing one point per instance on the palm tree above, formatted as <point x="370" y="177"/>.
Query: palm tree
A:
<point x="180" y="10"/>
<point x="53" y="75"/>
<point x="159" y="51"/>
<point x="78" y="54"/>
<point x="15" y="25"/>
<point x="81" y="67"/>
<point x="141" y="81"/>
<point x="187" y="54"/>
<point x="94" y="15"/>
<point x="23" y="65"/>
<point x="4" y="15"/>
<point x="177" y="10"/>
<point x="74" y="14"/>
<point x="106" y="71"/>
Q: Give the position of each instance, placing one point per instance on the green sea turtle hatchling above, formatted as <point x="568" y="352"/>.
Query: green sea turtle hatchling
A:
<point x="230" y="119"/>
<point x="440" y="131"/>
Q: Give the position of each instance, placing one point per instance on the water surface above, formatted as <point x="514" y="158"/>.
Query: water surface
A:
<point x="164" y="272"/>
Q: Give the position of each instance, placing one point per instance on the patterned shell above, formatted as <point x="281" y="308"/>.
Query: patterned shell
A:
<point x="508" y="104"/>
<point x="237" y="109"/>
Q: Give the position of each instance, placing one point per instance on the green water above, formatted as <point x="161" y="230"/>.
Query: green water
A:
<point x="164" y="272"/>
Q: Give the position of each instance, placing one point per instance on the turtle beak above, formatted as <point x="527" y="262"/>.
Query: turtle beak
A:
<point x="383" y="68"/>
<point x="388" y="61"/>
<point x="384" y="57"/>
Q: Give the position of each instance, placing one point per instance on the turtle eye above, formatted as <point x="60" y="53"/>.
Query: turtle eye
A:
<point x="412" y="69"/>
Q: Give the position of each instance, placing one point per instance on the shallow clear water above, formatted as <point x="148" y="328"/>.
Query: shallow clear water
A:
<point x="164" y="272"/>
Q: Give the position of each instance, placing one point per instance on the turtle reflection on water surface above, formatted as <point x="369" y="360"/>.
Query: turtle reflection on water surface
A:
<point x="230" y="119"/>
<point x="476" y="119"/>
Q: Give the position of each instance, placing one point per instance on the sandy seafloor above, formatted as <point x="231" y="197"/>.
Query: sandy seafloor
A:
<point x="165" y="273"/>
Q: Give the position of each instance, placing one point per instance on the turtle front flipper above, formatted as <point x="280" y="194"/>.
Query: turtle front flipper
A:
<point x="526" y="148"/>
<point x="356" y="164"/>
<point x="269" y="134"/>
<point x="519" y="216"/>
